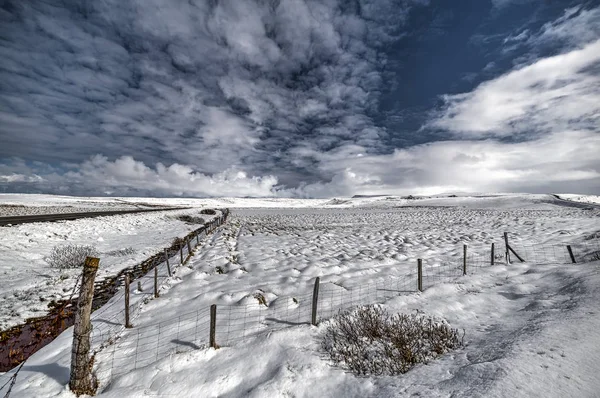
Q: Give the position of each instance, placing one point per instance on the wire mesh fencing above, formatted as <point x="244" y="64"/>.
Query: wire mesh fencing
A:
<point x="121" y="350"/>
<point x="109" y="318"/>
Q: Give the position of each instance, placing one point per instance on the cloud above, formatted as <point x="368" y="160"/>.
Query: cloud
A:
<point x="216" y="85"/>
<point x="127" y="176"/>
<point x="554" y="93"/>
<point x="275" y="98"/>
<point x="563" y="160"/>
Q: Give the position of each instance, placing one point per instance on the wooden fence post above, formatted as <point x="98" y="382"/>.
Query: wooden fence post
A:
<point x="197" y="239"/>
<point x="213" y="326"/>
<point x="189" y="247"/>
<point x="80" y="380"/>
<point x="181" y="253"/>
<point x="509" y="250"/>
<point x="571" y="254"/>
<point x="420" y="274"/>
<point x="167" y="259"/>
<point x="464" y="259"/>
<point x="156" y="281"/>
<point x="507" y="254"/>
<point x="127" y="324"/>
<point x="492" y="256"/>
<point x="315" y="301"/>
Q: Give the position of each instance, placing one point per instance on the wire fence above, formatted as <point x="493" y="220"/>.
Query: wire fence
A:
<point x="121" y="350"/>
<point x="108" y="319"/>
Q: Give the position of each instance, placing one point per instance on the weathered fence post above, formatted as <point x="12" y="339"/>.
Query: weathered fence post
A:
<point x="464" y="259"/>
<point x="127" y="324"/>
<point x="197" y="239"/>
<point x="315" y="301"/>
<point x="509" y="249"/>
<point x="181" y="252"/>
<point x="492" y="256"/>
<point x="80" y="380"/>
<point x="507" y="254"/>
<point x="571" y="254"/>
<point x="189" y="247"/>
<point x="156" y="281"/>
<point x="213" y="326"/>
<point x="167" y="260"/>
<point x="420" y="274"/>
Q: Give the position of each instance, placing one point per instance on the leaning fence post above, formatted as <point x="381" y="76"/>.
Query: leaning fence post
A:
<point x="420" y="274"/>
<point x="464" y="259"/>
<point x="127" y="324"/>
<point x="80" y="380"/>
<point x="492" y="256"/>
<point x="510" y="249"/>
<point x="571" y="254"/>
<point x="156" y="281"/>
<point x="315" y="300"/>
<point x="213" y="326"/>
<point x="167" y="259"/>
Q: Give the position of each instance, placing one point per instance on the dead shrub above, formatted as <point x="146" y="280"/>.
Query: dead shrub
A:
<point x="70" y="256"/>
<point x="127" y="251"/>
<point x="191" y="219"/>
<point x="369" y="341"/>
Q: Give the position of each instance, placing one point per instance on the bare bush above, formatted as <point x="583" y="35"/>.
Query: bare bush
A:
<point x="70" y="256"/>
<point x="368" y="340"/>
<point x="191" y="219"/>
<point x="128" y="251"/>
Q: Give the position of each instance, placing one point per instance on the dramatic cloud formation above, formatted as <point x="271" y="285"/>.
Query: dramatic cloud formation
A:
<point x="282" y="97"/>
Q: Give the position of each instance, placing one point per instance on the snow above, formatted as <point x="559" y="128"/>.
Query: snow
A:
<point x="530" y="329"/>
<point x="29" y="283"/>
<point x="595" y="199"/>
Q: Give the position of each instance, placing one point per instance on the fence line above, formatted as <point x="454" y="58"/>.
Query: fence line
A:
<point x="123" y="350"/>
<point x="106" y="329"/>
<point x="237" y="323"/>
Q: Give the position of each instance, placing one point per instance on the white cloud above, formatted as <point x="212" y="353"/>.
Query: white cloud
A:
<point x="559" y="92"/>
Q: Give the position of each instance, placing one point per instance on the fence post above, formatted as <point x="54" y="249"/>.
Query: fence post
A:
<point x="156" y="281"/>
<point x="197" y="239"/>
<point x="464" y="259"/>
<point x="127" y="324"/>
<point x="181" y="252"/>
<point x="420" y="274"/>
<point x="213" y="326"/>
<point x="571" y="254"/>
<point x="507" y="254"/>
<point x="315" y="300"/>
<point x="80" y="379"/>
<point x="492" y="256"/>
<point x="167" y="259"/>
<point x="189" y="247"/>
<point x="510" y="249"/>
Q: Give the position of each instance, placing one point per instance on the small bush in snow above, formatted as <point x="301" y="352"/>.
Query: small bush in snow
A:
<point x="121" y="252"/>
<point x="70" y="256"/>
<point x="368" y="340"/>
<point x="191" y="220"/>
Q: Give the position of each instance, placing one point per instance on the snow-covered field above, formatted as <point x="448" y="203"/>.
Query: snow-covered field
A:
<point x="530" y="330"/>
<point x="29" y="283"/>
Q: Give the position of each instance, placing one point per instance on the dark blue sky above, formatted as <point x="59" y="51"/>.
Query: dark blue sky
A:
<point x="298" y="97"/>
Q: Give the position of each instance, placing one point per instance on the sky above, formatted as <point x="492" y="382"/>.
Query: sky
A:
<point x="299" y="98"/>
